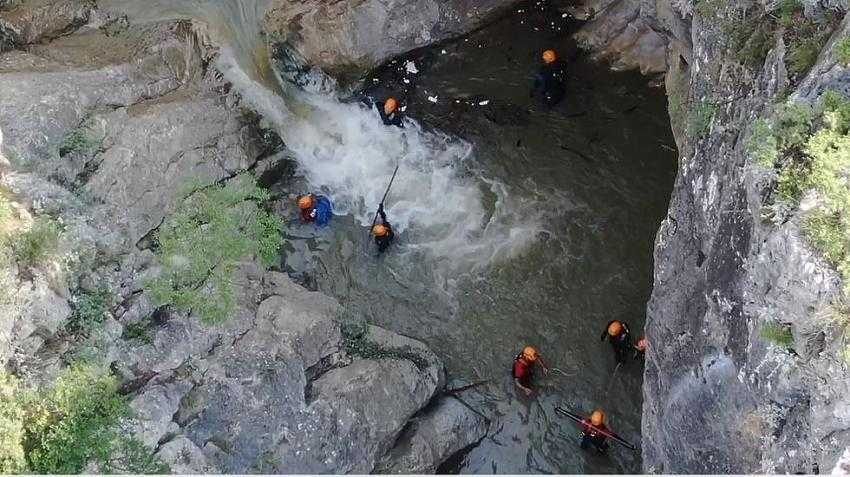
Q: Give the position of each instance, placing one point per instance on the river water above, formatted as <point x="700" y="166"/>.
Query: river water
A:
<point x="517" y="224"/>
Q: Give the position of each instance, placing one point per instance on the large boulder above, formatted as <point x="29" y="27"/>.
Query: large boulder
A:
<point x="275" y="389"/>
<point x="442" y="430"/>
<point x="31" y="21"/>
<point x="346" y="38"/>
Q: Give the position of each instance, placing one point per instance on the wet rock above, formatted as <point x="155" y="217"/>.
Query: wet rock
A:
<point x="346" y="38"/>
<point x="443" y="429"/>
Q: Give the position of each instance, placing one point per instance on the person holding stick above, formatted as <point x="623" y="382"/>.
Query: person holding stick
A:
<point x="383" y="231"/>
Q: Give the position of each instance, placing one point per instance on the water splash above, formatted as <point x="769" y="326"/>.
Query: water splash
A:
<point x="444" y="208"/>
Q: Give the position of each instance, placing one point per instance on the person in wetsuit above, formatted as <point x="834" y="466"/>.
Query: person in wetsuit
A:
<point x="315" y="209"/>
<point x="549" y="82"/>
<point x="383" y="231"/>
<point x="523" y="370"/>
<point x="621" y="339"/>
<point x="640" y="347"/>
<point x="389" y="111"/>
<point x="592" y="432"/>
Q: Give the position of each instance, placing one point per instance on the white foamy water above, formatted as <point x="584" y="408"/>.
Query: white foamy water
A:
<point x="437" y="202"/>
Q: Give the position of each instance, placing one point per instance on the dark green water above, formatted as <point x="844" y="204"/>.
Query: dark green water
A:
<point x="596" y="174"/>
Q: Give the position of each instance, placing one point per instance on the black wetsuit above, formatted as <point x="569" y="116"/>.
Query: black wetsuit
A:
<point x="550" y="83"/>
<point x="590" y="435"/>
<point x="392" y="119"/>
<point x="621" y="343"/>
<point x="384" y="242"/>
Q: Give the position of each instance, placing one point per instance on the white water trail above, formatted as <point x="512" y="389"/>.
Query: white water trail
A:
<point x="442" y="208"/>
<point x="437" y="204"/>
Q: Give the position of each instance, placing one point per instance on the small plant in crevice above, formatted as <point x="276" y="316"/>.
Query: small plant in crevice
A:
<point x="357" y="343"/>
<point x="762" y="144"/>
<point x="842" y="51"/>
<point x="35" y="245"/>
<point x="80" y="140"/>
<point x="90" y="309"/>
<point x="201" y="243"/>
<point x="138" y="331"/>
<point x="700" y="117"/>
<point x="778" y="334"/>
<point x="804" y="37"/>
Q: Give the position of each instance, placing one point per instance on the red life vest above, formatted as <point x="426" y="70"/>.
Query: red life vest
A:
<point x="523" y="370"/>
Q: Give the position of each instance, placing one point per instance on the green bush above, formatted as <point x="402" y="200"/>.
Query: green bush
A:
<point x="201" y="243"/>
<point x="815" y="156"/>
<point x="74" y="423"/>
<point x="80" y="140"/>
<point x="709" y="9"/>
<point x="777" y="334"/>
<point x="789" y="11"/>
<point x="804" y="37"/>
<point x="751" y="41"/>
<point x="12" y="460"/>
<point x="35" y="245"/>
<point x="803" y="54"/>
<point x="699" y="118"/>
<point x="842" y="51"/>
<point x="90" y="309"/>
<point x="138" y="331"/>
<point x="762" y="145"/>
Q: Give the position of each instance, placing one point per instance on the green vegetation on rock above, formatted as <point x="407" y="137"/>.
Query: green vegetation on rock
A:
<point x="700" y="116"/>
<point x="357" y="343"/>
<point x="81" y="140"/>
<point x="35" y="245"/>
<point x="813" y="155"/>
<point x="63" y="429"/>
<point x="90" y="309"/>
<point x="139" y="331"/>
<point x="777" y="334"/>
<point x="842" y="51"/>
<point x="200" y="245"/>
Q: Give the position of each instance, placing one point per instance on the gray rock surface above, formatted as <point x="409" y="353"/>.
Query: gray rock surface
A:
<point x="346" y="38"/>
<point x="183" y="457"/>
<point x="440" y="431"/>
<point x="718" y="397"/>
<point x="274" y="388"/>
<point x="31" y="21"/>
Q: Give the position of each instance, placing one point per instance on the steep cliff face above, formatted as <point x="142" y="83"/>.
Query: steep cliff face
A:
<point x="746" y="369"/>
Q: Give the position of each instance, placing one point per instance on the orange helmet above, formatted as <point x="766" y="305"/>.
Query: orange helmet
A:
<point x="305" y="202"/>
<point x="390" y="105"/>
<point x="380" y="230"/>
<point x="597" y="418"/>
<point x="642" y="344"/>
<point x="615" y="328"/>
<point x="549" y="56"/>
<point x="529" y="353"/>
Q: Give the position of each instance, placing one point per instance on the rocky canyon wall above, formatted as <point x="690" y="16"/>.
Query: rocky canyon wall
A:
<point x="746" y="370"/>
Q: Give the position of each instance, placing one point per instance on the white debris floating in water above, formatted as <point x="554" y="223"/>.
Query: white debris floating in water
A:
<point x="484" y="103"/>
<point x="432" y="99"/>
<point x="410" y="66"/>
<point x="443" y="52"/>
